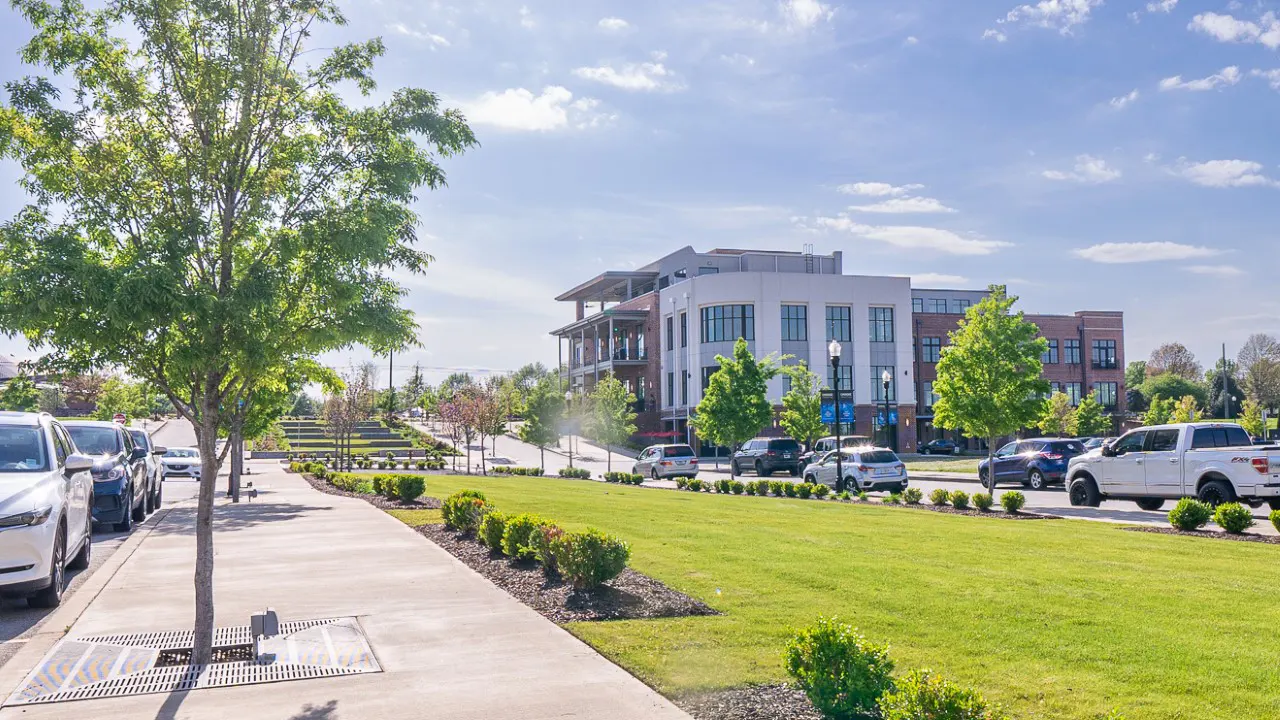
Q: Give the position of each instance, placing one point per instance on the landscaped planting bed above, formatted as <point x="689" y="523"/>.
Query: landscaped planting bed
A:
<point x="754" y="702"/>
<point x="1211" y="534"/>
<point x="422" y="503"/>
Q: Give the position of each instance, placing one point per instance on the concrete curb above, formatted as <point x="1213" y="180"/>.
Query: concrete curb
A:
<point x="57" y="624"/>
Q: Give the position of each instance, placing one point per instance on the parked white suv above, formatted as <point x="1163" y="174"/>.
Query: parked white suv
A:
<point x="46" y="510"/>
<point x="1214" y="462"/>
<point x="864" y="468"/>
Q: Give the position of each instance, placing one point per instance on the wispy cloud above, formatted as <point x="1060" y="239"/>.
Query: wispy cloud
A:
<point x="904" y="205"/>
<point x="520" y="110"/>
<point x="1124" y="101"/>
<point x="613" y="24"/>
<point x="1271" y="76"/>
<point x="1162" y="6"/>
<point x="1225" y="271"/>
<point x="908" y="237"/>
<point x="435" y="40"/>
<point x="1223" y="173"/>
<point x="1226" y="77"/>
<point x="993" y="34"/>
<point x="1227" y="28"/>
<point x="648" y="76"/>
<point x="804" y="14"/>
<point x="877" y="189"/>
<point x="1060" y="15"/>
<point x="1139" y="252"/>
<point x="1088" y="169"/>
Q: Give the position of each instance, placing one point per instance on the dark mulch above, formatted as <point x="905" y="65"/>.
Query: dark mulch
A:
<point x="422" y="503"/>
<point x="752" y="702"/>
<point x="629" y="596"/>
<point x="1248" y="537"/>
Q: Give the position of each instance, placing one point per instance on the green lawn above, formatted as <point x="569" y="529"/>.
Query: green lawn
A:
<point x="942" y="463"/>
<point x="1055" y="619"/>
<point x="417" y="518"/>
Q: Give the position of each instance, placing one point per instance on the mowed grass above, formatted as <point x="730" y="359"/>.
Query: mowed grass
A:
<point x="1054" y="619"/>
<point x="417" y="518"/>
<point x="942" y="463"/>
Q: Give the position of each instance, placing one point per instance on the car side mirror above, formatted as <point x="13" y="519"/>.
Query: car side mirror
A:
<point x="159" y="450"/>
<point x="78" y="463"/>
<point x="1108" y="451"/>
<point x="138" y="454"/>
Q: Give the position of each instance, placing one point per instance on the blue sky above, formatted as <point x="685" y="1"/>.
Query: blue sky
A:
<point x="1117" y="155"/>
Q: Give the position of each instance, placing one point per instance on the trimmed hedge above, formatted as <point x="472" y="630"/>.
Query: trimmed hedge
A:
<point x="1190" y="514"/>
<point x="513" y="470"/>
<point x="463" y="510"/>
<point x="960" y="499"/>
<point x="1233" y="517"/>
<point x="1012" y="501"/>
<point x="625" y="478"/>
<point x="575" y="473"/>
<point x="493" y="526"/>
<point x="842" y="672"/>
<point x="590" y="558"/>
<point x="517" y="539"/>
<point x="982" y="501"/>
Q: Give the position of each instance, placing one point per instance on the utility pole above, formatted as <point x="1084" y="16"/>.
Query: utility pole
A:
<point x="1226" y="394"/>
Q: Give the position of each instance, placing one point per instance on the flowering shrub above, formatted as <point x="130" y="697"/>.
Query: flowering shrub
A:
<point x="463" y="510"/>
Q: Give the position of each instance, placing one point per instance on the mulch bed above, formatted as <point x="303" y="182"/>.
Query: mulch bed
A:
<point x="422" y="503"/>
<point x="1247" y="537"/>
<point x="629" y="596"/>
<point x="753" y="702"/>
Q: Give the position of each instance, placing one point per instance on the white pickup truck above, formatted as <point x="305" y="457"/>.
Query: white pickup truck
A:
<point x="1214" y="462"/>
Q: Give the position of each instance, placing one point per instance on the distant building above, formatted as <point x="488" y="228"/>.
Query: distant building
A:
<point x="8" y="368"/>
<point x="659" y="328"/>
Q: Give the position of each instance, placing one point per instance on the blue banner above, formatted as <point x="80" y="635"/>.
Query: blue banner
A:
<point x="828" y="412"/>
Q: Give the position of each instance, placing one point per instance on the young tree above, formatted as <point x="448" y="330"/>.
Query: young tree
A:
<point x="490" y="415"/>
<point x="1262" y="382"/>
<point x="543" y="415"/>
<point x="51" y="400"/>
<point x="121" y="396"/>
<point x="1091" y="419"/>
<point x="802" y="406"/>
<point x="1223" y="383"/>
<point x="1251" y="418"/>
<point x="1134" y="375"/>
<point x="350" y="403"/>
<point x="1174" y="358"/>
<point x="613" y="420"/>
<point x="989" y="381"/>
<point x="735" y="406"/>
<point x="414" y="388"/>
<point x="1173" y="386"/>
<point x="84" y="389"/>
<point x="1160" y="411"/>
<point x="208" y="207"/>
<point x="1185" y="411"/>
<point x="20" y="394"/>
<point x="1059" y="417"/>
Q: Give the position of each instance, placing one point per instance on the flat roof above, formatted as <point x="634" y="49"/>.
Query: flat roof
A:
<point x="607" y="286"/>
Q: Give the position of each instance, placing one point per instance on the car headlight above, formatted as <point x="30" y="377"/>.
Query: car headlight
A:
<point x="34" y="517"/>
<point x="115" y="473"/>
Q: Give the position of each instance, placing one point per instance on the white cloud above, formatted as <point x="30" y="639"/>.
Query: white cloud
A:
<point x="1226" y="28"/>
<point x="1164" y="6"/>
<point x="1151" y="157"/>
<point x="804" y="14"/>
<point x="1120" y="103"/>
<point x="993" y="34"/>
<point x="526" y="18"/>
<point x="1060" y="15"/>
<point x="903" y="205"/>
<point x="1223" y="173"/>
<point x="1271" y="76"/>
<point x="435" y="40"/>
<point x="1217" y="270"/>
<point x="938" y="280"/>
<point x="1228" y="76"/>
<point x="1137" y="252"/>
<point x="520" y="109"/>
<point x="877" y="189"/>
<point x="1088" y="169"/>
<point x="632" y="76"/>
<point x="911" y="40"/>
<point x="909" y="237"/>
<point x="739" y="59"/>
<point x="613" y="24"/>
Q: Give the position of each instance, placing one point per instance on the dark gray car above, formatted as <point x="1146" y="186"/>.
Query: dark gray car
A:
<point x="769" y="455"/>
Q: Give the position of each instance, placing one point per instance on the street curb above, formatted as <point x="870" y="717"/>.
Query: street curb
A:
<point x="58" y="623"/>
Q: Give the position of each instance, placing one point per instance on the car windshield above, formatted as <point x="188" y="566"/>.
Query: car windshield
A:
<point x="21" y="450"/>
<point x="678" y="451"/>
<point x="95" y="440"/>
<point x="181" y="453"/>
<point x="879" y="457"/>
<point x="139" y="438"/>
<point x="784" y="445"/>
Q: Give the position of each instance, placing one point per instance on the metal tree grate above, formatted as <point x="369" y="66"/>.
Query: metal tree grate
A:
<point x="120" y="665"/>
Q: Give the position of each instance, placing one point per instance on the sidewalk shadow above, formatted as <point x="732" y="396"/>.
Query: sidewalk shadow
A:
<point x="327" y="711"/>
<point x="1088" y="513"/>
<point x="230" y="518"/>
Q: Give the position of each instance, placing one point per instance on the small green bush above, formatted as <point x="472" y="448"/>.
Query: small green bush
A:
<point x="421" y="465"/>
<point x="845" y="495"/>
<point x="804" y="490"/>
<point x="960" y="499"/>
<point x="775" y="487"/>
<point x="575" y="473"/>
<point x="462" y="510"/>
<point x="590" y="558"/>
<point x="516" y="541"/>
<point x="841" y="671"/>
<point x="940" y="496"/>
<point x="492" y="527"/>
<point x="1012" y="501"/>
<point x="1233" y="517"/>
<point x="921" y="695"/>
<point x="409" y="487"/>
<point x="862" y="496"/>
<point x="913" y="496"/>
<point x="821" y="491"/>
<point x="682" y="483"/>
<point x="1275" y="519"/>
<point x="724" y="485"/>
<point x="894" y="499"/>
<point x="1190" y="514"/>
<point x="982" y="501"/>
<point x="541" y="540"/>
<point x="391" y="455"/>
<point x="351" y="482"/>
<point x="377" y="481"/>
<point x="789" y="489"/>
<point x="751" y="488"/>
<point x="737" y="487"/>
<point x="694" y="484"/>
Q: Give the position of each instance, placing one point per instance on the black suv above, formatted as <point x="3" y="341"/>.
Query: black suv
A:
<point x="768" y="455"/>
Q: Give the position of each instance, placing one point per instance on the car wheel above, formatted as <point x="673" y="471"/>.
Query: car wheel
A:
<point x="1274" y="503"/>
<point x="810" y="479"/>
<point x="924" y="451"/>
<point x="51" y="597"/>
<point x="984" y="479"/>
<point x="1084" y="493"/>
<point x="126" y="520"/>
<point x="760" y="472"/>
<point x="140" y="510"/>
<point x="1035" y="479"/>
<point x="1150" y="503"/>
<point x="1215" y="492"/>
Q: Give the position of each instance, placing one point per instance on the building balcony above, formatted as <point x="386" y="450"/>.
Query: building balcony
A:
<point x="1104" y="364"/>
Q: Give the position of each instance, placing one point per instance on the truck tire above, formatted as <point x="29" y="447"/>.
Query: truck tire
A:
<point x="1150" y="503"/>
<point x="1083" y="492"/>
<point x="1215" y="492"/>
<point x="1274" y="503"/>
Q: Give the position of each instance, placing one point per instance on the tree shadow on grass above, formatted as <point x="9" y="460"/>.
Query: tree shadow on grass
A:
<point x="230" y="518"/>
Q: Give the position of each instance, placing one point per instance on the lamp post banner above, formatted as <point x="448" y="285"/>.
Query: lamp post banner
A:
<point x="827" y="412"/>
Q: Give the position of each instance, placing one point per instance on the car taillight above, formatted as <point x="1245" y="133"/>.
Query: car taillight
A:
<point x="693" y="461"/>
<point x="863" y="468"/>
<point x="665" y="463"/>
<point x="1051" y="456"/>
<point x="770" y="453"/>
<point x="1262" y="465"/>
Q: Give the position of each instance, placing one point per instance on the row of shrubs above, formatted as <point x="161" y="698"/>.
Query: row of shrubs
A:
<point x="575" y="473"/>
<point x="329" y="458"/>
<point x="369" y="465"/>
<point x="513" y="470"/>
<point x="625" y="478"/>
<point x="755" y="487"/>
<point x="1012" y="500"/>
<point x="405" y="488"/>
<point x="1191" y="514"/>
<point x="586" y="559"/>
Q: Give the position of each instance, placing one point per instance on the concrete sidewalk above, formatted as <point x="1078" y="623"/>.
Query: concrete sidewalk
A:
<point x="451" y="644"/>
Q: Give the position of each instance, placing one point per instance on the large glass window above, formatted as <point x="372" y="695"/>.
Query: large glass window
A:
<point x="1104" y="354"/>
<point x="938" y="305"/>
<point x="1050" y="356"/>
<point x="684" y="330"/>
<point x="795" y="323"/>
<point x="917" y="305"/>
<point x="707" y="372"/>
<point x="846" y="378"/>
<point x="671" y="389"/>
<point x="1071" y="352"/>
<point x="1072" y="390"/>
<point x="671" y="333"/>
<point x="930" y="349"/>
<point x="22" y="449"/>
<point x="930" y="398"/>
<point x="1106" y="393"/>
<point x="881" y="324"/>
<point x="877" y="383"/>
<point x="727" y="323"/>
<point x="684" y="387"/>
<point x="839" y="326"/>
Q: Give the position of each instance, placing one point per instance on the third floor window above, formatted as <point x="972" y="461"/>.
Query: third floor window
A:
<point x="1071" y="352"/>
<point x="881" y="324"/>
<point x="1050" y="356"/>
<point x="1104" y="354"/>
<point x="838" y="324"/>
<point x="795" y="323"/>
<point x="727" y="323"/>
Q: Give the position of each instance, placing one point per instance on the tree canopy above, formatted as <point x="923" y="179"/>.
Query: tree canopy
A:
<point x="544" y="411"/>
<point x="1059" y="417"/>
<point x="802" y="406"/>
<point x="735" y="406"/>
<point x="1174" y="358"/>
<point x="613" y="420"/>
<point x="1169" y="385"/>
<point x="1091" y="418"/>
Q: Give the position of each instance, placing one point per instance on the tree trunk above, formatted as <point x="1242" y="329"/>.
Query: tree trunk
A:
<point x="991" y="466"/>
<point x="542" y="457"/>
<point x="207" y="440"/>
<point x="237" y="465"/>
<point x="483" y="469"/>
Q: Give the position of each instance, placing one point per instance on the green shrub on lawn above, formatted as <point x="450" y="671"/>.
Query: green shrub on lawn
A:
<point x="913" y="496"/>
<point x="845" y="495"/>
<point x="409" y="487"/>
<point x="940" y="496"/>
<point x="820" y="491"/>
<point x="1233" y="517"/>
<point x="516" y="541"/>
<point x="590" y="558"/>
<point x="541" y="540"/>
<point x="1012" y="501"/>
<point x="694" y="484"/>
<point x="982" y="501"/>
<point x="492" y="527"/>
<point x="575" y="473"/>
<point x="1275" y="519"/>
<point x="1190" y="514"/>
<point x="737" y="487"/>
<point x="790" y="489"/>
<point x="724" y="486"/>
<point x="804" y="490"/>
<point x="775" y="487"/>
<point x="462" y="510"/>
<point x="682" y="483"/>
<point x="862" y="496"/>
<point x="840" y="670"/>
<point x="921" y="695"/>
<point x="350" y="482"/>
<point x="960" y="499"/>
<point x="894" y="499"/>
<point x="750" y="488"/>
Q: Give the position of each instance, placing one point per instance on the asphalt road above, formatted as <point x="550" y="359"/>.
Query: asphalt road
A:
<point x="18" y="621"/>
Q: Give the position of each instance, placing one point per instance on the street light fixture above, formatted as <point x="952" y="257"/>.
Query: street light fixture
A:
<point x="885" y="379"/>
<point x="568" y="407"/>
<point x="833" y="351"/>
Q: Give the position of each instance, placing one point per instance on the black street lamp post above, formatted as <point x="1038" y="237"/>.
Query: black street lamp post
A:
<point x="833" y="350"/>
<point x="886" y="378"/>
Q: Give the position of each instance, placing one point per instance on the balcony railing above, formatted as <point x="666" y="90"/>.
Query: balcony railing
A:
<point x="630" y="354"/>
<point x="1104" y="363"/>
